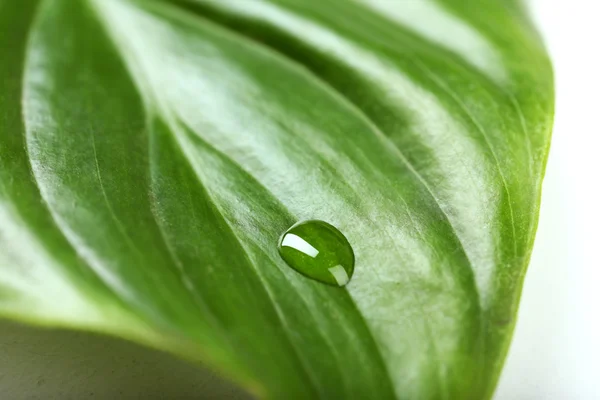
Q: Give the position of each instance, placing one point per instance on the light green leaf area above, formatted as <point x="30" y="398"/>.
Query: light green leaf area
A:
<point x="153" y="152"/>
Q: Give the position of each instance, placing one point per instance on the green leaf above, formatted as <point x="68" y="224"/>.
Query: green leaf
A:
<point x="153" y="152"/>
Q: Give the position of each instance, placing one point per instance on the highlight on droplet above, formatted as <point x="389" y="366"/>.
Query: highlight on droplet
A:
<point x="296" y="242"/>
<point x="340" y="275"/>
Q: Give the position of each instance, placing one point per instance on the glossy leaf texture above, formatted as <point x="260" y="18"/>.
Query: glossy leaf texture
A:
<point x="153" y="152"/>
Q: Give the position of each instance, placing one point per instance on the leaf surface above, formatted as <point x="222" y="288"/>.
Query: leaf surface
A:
<point x="152" y="153"/>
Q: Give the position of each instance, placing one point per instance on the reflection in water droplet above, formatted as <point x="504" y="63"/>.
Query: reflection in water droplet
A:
<point x="318" y="250"/>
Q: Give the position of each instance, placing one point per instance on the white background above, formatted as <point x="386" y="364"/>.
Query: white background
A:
<point x="555" y="352"/>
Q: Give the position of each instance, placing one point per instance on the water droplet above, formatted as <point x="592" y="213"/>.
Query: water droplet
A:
<point x="319" y="251"/>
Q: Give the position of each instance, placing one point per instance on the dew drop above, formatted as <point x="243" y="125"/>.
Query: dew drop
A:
<point x="319" y="251"/>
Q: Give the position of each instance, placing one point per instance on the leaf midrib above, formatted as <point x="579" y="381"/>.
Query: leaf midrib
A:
<point x="136" y="71"/>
